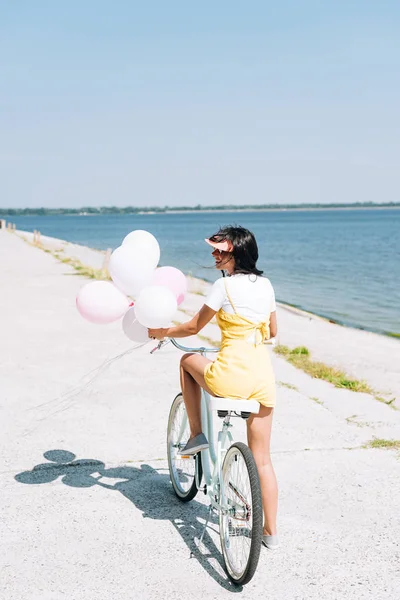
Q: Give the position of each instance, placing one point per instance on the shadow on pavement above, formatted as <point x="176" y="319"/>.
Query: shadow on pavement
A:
<point x="149" y="490"/>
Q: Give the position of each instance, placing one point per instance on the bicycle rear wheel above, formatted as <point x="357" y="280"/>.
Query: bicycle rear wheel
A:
<point x="182" y="470"/>
<point x="241" y="526"/>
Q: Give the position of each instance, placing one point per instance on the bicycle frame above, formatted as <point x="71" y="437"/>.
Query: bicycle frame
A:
<point x="212" y="458"/>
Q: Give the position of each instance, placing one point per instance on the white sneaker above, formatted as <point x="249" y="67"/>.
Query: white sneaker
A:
<point x="271" y="542"/>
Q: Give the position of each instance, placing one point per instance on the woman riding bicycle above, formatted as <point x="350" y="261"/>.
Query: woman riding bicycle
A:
<point x="244" y="305"/>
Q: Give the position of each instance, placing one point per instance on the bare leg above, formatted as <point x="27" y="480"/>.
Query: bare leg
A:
<point x="259" y="436"/>
<point x="192" y="378"/>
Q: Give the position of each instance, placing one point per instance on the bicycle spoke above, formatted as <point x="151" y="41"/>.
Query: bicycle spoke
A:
<point x="239" y="529"/>
<point x="238" y="542"/>
<point x="182" y="469"/>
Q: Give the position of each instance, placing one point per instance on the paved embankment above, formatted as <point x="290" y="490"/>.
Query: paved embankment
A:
<point x="87" y="511"/>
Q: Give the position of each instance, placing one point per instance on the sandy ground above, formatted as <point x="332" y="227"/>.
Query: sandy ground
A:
<point x="87" y="510"/>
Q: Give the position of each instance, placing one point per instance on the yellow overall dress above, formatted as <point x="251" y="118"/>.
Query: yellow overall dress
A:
<point x="243" y="368"/>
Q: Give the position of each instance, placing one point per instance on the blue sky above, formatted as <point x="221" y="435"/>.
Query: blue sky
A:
<point x="179" y="103"/>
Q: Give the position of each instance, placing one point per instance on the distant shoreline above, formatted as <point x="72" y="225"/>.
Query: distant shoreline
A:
<point x="297" y="209"/>
<point x="130" y="210"/>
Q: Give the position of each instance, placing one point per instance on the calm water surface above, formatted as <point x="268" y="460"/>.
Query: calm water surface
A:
<point x="342" y="264"/>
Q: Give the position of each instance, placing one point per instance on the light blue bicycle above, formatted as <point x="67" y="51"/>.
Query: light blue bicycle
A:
<point x="226" y="472"/>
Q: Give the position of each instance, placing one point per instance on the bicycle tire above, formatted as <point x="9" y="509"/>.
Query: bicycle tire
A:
<point x="184" y="490"/>
<point x="247" y="497"/>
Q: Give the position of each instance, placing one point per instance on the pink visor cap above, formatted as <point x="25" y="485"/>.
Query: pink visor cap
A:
<point x="221" y="246"/>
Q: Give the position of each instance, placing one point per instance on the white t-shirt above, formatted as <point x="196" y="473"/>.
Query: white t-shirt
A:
<point x="252" y="296"/>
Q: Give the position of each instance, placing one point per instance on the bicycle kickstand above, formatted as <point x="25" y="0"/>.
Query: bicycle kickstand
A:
<point x="210" y="509"/>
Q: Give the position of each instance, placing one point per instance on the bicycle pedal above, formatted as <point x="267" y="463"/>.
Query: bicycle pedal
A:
<point x="181" y="456"/>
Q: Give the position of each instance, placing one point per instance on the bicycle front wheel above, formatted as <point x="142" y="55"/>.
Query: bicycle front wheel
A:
<point x="182" y="469"/>
<point x="241" y="517"/>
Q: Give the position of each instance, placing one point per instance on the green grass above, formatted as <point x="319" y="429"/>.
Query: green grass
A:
<point x="89" y="272"/>
<point x="300" y="351"/>
<point x="185" y="311"/>
<point x="209" y="340"/>
<point x="81" y="269"/>
<point x="282" y="350"/>
<point x="300" y="357"/>
<point x="76" y="264"/>
<point x="388" y="402"/>
<point x="287" y="385"/>
<point x="197" y="292"/>
<point x="352" y="421"/>
<point x="381" y="443"/>
<point x="194" y="288"/>
<point x="317" y="400"/>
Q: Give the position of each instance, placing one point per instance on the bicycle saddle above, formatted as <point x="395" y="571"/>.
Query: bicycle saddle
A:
<point x="229" y="404"/>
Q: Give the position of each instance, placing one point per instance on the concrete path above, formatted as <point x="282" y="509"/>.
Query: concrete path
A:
<point x="87" y="511"/>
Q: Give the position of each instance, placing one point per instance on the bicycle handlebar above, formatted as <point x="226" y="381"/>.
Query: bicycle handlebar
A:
<point x="201" y="350"/>
<point x="173" y="341"/>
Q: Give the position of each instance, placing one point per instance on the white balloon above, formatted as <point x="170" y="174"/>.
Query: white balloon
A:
<point x="144" y="244"/>
<point x="155" y="306"/>
<point x="101" y="302"/>
<point x="134" y="330"/>
<point x="129" y="271"/>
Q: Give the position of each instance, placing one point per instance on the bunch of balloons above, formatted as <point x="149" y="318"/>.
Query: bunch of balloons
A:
<point x="134" y="273"/>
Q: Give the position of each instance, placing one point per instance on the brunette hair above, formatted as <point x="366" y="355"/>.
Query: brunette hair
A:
<point x="244" y="251"/>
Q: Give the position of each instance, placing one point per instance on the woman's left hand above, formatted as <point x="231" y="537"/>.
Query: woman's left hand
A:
<point x="157" y="334"/>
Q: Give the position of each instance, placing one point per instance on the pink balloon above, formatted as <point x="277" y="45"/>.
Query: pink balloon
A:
<point x="173" y="279"/>
<point x="101" y="302"/>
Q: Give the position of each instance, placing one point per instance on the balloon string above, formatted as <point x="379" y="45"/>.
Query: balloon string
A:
<point x="65" y="401"/>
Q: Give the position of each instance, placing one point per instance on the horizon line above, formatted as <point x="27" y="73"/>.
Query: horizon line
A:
<point x="197" y="207"/>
